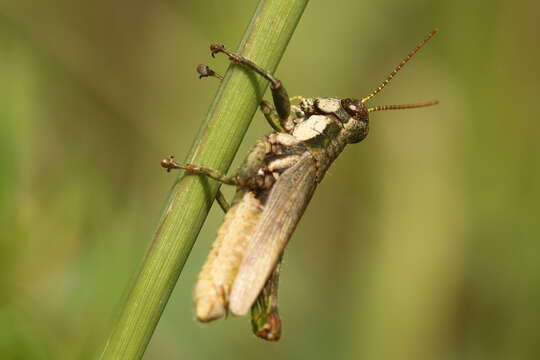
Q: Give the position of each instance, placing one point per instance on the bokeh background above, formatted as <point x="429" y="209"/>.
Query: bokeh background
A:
<point x="423" y="242"/>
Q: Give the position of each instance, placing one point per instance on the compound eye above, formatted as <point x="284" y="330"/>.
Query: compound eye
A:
<point x="355" y="108"/>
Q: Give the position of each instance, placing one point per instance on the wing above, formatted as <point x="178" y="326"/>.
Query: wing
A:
<point x="282" y="211"/>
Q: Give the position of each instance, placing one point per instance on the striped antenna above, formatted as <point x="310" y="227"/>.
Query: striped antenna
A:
<point x="399" y="107"/>
<point x="403" y="62"/>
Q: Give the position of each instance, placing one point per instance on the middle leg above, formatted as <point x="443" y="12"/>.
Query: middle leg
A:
<point x="170" y="164"/>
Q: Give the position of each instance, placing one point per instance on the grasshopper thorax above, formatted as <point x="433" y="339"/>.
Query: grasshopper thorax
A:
<point x="351" y="115"/>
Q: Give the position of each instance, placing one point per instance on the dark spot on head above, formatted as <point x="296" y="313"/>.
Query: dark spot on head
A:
<point x="357" y="130"/>
<point x="355" y="108"/>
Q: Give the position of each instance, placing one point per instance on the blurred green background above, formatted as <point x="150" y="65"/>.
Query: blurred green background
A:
<point x="422" y="242"/>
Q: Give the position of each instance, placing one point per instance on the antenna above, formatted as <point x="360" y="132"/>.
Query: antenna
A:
<point x="399" y="107"/>
<point x="403" y="62"/>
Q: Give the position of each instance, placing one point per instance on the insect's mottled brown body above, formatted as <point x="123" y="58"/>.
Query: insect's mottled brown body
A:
<point x="275" y="184"/>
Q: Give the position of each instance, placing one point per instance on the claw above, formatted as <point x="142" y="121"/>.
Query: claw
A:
<point x="215" y="48"/>
<point x="168" y="163"/>
<point x="205" y="71"/>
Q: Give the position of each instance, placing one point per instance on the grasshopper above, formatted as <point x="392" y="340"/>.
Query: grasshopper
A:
<point x="274" y="185"/>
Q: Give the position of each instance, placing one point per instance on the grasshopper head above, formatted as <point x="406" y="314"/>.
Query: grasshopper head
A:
<point x="357" y="127"/>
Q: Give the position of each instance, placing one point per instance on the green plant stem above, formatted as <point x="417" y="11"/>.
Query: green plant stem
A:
<point x="236" y="101"/>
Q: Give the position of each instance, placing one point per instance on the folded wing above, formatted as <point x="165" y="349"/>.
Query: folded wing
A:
<point x="282" y="211"/>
